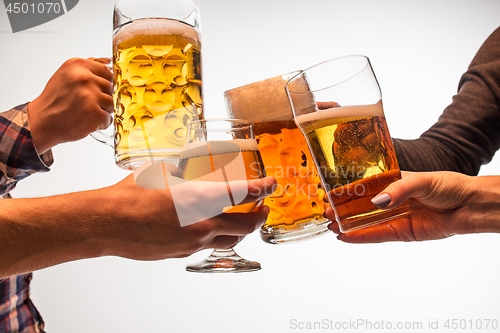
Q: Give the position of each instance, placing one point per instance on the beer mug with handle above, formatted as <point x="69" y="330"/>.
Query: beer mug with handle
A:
<point x="157" y="84"/>
<point x="298" y="204"/>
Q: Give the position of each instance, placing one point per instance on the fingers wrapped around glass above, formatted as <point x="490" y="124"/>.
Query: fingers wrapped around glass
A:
<point x="223" y="150"/>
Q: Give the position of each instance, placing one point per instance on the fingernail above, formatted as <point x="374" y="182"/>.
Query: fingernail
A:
<point x="381" y="200"/>
<point x="264" y="208"/>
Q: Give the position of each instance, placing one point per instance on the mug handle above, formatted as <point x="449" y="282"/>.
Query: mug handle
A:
<point x="100" y="136"/>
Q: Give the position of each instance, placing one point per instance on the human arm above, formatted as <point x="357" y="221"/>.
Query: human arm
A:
<point x="442" y="204"/>
<point x="121" y="220"/>
<point x="73" y="104"/>
<point x="76" y="101"/>
<point x="466" y="134"/>
<point x="18" y="156"/>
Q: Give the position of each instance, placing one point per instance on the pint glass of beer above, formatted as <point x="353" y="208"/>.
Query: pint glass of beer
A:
<point x="297" y="205"/>
<point x="341" y="116"/>
<point x="222" y="150"/>
<point x="157" y="79"/>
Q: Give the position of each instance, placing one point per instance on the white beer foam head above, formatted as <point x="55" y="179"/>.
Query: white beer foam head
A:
<point x="262" y="101"/>
<point x="192" y="149"/>
<point x="371" y="110"/>
<point x="150" y="27"/>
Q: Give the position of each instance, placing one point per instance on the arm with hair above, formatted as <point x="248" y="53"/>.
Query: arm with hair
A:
<point x="122" y="220"/>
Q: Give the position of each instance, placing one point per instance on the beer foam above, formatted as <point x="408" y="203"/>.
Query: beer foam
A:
<point x="149" y="27"/>
<point x="263" y="101"/>
<point x="195" y="149"/>
<point x="370" y="110"/>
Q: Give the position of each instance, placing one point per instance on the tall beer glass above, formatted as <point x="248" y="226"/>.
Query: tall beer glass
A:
<point x="157" y="79"/>
<point x="222" y="150"/>
<point x="297" y="205"/>
<point x="342" y="118"/>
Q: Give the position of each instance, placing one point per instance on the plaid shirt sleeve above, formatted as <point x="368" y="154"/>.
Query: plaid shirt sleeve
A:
<point x="18" y="159"/>
<point x="18" y="155"/>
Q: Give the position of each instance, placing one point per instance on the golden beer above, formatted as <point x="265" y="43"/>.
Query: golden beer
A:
<point x="157" y="88"/>
<point x="297" y="205"/>
<point x="356" y="159"/>
<point x="299" y="195"/>
<point x="237" y="159"/>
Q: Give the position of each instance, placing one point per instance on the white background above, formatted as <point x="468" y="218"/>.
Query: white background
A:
<point x="418" y="49"/>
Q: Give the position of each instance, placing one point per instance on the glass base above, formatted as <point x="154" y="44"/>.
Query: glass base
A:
<point x="224" y="261"/>
<point x="300" y="231"/>
<point x="371" y="219"/>
<point x="133" y="161"/>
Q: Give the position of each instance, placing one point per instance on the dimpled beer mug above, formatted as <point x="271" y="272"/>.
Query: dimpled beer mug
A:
<point x="157" y="85"/>
<point x="341" y="116"/>
<point x="297" y="205"/>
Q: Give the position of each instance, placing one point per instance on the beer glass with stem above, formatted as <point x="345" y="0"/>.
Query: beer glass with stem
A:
<point x="341" y="116"/>
<point x="298" y="204"/>
<point x="222" y="150"/>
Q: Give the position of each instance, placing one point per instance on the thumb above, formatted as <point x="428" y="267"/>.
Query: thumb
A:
<point x="253" y="190"/>
<point x="413" y="185"/>
<point x="439" y="190"/>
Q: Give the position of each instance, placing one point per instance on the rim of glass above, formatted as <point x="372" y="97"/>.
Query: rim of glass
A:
<point x="324" y="62"/>
<point x="294" y="73"/>
<point x="244" y="124"/>
<point x="120" y="19"/>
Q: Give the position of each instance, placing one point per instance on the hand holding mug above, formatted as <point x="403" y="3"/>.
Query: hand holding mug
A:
<point x="76" y="101"/>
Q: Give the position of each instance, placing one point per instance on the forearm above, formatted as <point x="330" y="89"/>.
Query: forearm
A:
<point x="428" y="154"/>
<point x="122" y="220"/>
<point x="42" y="232"/>
<point x="482" y="210"/>
<point x="466" y="134"/>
